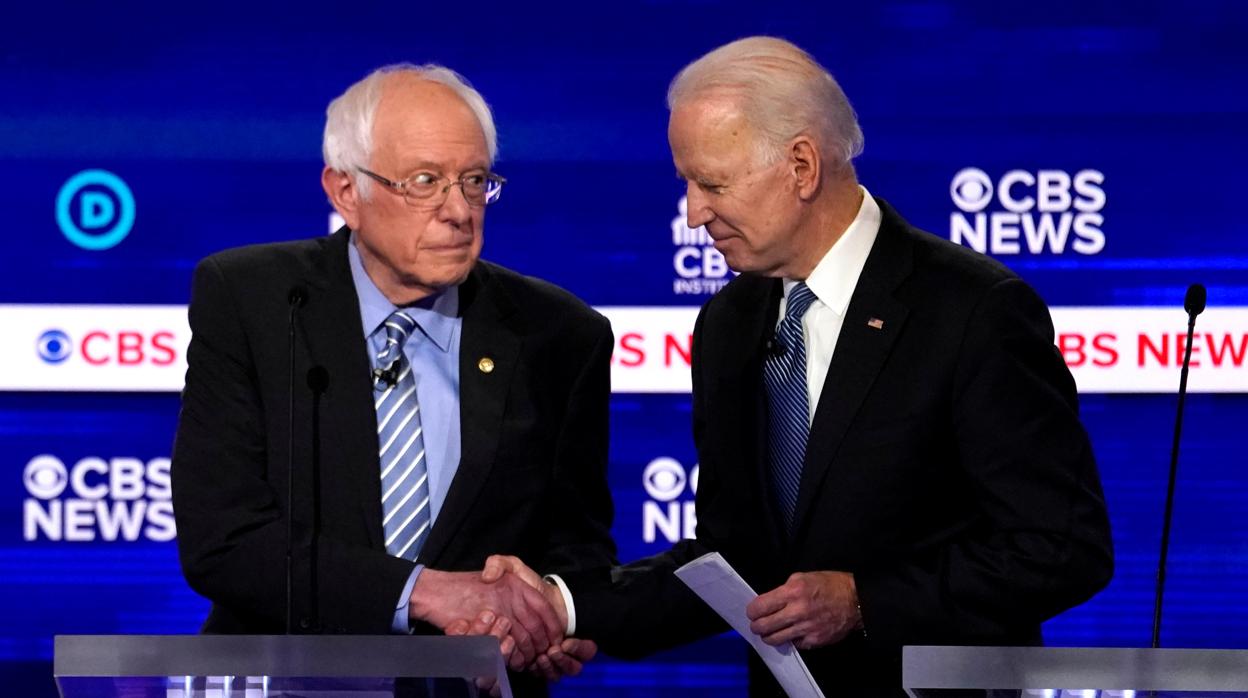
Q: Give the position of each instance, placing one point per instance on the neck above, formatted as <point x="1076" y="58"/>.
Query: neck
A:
<point x="830" y="215"/>
<point x="397" y="290"/>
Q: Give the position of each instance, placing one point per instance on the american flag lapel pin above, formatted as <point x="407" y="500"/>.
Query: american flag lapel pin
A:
<point x="875" y="323"/>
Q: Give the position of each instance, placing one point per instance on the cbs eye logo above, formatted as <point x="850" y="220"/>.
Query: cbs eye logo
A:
<point x="664" y="479"/>
<point x="45" y="477"/>
<point x="971" y="190"/>
<point x="54" y="346"/>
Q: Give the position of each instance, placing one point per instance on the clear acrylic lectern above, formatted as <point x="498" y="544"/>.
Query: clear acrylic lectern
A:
<point x="274" y="666"/>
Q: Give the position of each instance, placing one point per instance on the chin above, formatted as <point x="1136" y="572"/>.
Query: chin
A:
<point x="450" y="277"/>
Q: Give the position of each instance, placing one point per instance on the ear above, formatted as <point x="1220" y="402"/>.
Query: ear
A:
<point x="806" y="165"/>
<point x="343" y="194"/>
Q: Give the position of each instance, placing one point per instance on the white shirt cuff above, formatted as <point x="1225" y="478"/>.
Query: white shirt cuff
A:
<point x="567" y="602"/>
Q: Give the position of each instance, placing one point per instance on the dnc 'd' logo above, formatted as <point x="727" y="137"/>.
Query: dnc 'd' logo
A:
<point x="700" y="268"/>
<point x="1048" y="211"/>
<point x="95" y="210"/>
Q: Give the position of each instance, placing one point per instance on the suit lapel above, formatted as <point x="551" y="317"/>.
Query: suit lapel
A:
<point x="861" y="351"/>
<point x="335" y="339"/>
<point x="482" y="399"/>
<point x="743" y="368"/>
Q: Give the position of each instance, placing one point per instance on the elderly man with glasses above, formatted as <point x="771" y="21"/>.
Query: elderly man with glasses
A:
<point x="421" y="408"/>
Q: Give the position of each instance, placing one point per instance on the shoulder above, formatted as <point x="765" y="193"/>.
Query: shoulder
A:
<point x="538" y="303"/>
<point x="268" y="258"/>
<point x="937" y="260"/>
<point x="944" y="279"/>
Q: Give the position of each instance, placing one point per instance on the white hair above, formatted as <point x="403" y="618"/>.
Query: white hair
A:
<point x="348" y="142"/>
<point x="782" y="92"/>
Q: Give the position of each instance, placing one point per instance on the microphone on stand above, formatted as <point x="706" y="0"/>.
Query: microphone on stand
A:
<point x="296" y="297"/>
<point x="1194" y="304"/>
<point x="318" y="383"/>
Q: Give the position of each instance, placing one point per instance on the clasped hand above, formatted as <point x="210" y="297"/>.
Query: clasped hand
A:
<point x="511" y="602"/>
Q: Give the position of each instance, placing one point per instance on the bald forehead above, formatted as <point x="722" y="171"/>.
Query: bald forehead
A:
<point x="414" y="110"/>
<point x="405" y="91"/>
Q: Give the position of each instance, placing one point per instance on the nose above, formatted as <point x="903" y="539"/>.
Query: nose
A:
<point x="699" y="212"/>
<point x="455" y="209"/>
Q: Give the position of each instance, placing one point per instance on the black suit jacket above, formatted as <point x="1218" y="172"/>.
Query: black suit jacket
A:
<point x="531" y="479"/>
<point x="946" y="469"/>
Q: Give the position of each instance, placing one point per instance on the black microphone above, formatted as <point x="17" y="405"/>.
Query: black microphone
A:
<point x="1194" y="301"/>
<point x="318" y="383"/>
<point x="389" y="376"/>
<point x="318" y="380"/>
<point x="296" y="297"/>
<point x="1194" y="304"/>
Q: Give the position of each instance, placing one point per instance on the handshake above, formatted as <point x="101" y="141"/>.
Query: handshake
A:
<point x="513" y="603"/>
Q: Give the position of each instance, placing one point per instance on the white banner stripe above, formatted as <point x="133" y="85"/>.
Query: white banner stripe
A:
<point x="136" y="348"/>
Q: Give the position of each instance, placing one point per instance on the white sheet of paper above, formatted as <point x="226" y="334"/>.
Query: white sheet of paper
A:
<point x="716" y="583"/>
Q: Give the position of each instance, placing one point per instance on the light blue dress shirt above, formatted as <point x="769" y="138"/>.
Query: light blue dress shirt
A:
<point x="434" y="356"/>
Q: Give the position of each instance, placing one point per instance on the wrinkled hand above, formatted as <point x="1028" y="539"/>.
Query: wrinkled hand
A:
<point x="569" y="657"/>
<point x="441" y="598"/>
<point x="564" y="659"/>
<point x="498" y="566"/>
<point x="811" y="609"/>
<point x="487" y="623"/>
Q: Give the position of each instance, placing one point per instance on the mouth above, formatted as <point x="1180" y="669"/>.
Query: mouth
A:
<point x="451" y="247"/>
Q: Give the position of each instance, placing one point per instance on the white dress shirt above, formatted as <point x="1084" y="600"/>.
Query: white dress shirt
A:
<point x="833" y="281"/>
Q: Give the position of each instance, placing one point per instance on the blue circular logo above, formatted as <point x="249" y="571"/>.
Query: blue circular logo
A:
<point x="104" y="209"/>
<point x="54" y="346"/>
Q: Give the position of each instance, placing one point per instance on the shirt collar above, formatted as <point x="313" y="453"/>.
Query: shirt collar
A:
<point x="835" y="276"/>
<point x="436" y="316"/>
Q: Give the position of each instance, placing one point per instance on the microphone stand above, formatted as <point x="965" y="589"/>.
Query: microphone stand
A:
<point x="1194" y="304"/>
<point x="295" y="298"/>
<point x="318" y="382"/>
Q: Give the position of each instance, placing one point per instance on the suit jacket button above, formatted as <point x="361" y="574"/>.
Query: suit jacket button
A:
<point x="486" y="365"/>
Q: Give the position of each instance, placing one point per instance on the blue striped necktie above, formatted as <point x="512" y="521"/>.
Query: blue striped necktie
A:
<point x="404" y="475"/>
<point x="788" y="406"/>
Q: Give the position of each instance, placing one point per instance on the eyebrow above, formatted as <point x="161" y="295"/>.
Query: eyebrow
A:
<point x="430" y="165"/>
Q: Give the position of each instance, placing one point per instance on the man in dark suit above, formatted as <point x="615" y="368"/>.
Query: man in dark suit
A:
<point x="889" y="442"/>
<point x="443" y="408"/>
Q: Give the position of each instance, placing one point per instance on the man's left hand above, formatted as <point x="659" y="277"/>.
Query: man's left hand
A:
<point x="811" y="609"/>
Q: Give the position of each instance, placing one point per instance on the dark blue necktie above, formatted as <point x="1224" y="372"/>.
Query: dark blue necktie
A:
<point x="788" y="406"/>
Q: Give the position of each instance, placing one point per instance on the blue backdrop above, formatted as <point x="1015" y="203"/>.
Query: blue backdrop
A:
<point x="213" y="122"/>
